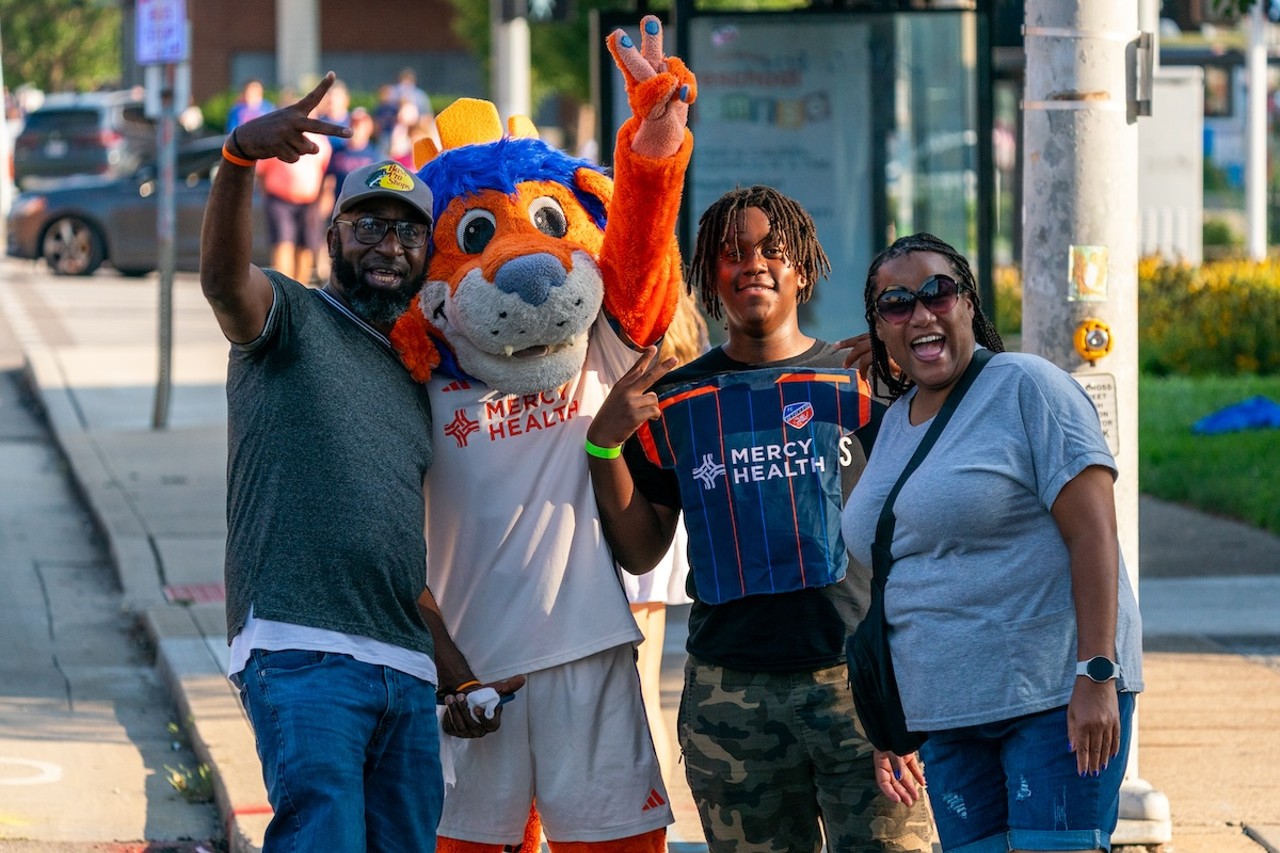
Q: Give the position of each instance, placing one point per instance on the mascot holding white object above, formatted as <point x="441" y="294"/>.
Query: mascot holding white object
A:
<point x="545" y="280"/>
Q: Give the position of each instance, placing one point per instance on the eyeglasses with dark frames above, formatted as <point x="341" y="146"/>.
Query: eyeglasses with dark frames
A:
<point x="939" y="294"/>
<point x="370" y="230"/>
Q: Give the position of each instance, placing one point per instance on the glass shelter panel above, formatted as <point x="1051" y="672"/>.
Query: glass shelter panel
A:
<point x="932" y="172"/>
<point x="869" y="120"/>
<point x="787" y="103"/>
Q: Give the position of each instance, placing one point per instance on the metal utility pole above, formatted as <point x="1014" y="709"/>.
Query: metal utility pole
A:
<point x="163" y="41"/>
<point x="297" y="44"/>
<point x="1080" y="252"/>
<point x="509" y="56"/>
<point x="165" y="229"/>
<point x="1255" y="172"/>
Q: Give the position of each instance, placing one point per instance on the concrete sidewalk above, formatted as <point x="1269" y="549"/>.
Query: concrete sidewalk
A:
<point x="1209" y="721"/>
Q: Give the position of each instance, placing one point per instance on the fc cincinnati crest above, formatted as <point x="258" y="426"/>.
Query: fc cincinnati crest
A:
<point x="797" y="414"/>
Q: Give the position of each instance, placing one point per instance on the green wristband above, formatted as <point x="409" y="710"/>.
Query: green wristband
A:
<point x="603" y="452"/>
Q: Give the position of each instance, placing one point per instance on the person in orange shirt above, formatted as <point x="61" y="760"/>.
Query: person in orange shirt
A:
<point x="291" y="196"/>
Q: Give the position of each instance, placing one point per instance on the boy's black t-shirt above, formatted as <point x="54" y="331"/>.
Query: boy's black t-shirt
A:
<point x="803" y="630"/>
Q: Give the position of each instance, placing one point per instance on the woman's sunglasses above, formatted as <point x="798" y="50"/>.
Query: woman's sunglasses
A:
<point x="897" y="304"/>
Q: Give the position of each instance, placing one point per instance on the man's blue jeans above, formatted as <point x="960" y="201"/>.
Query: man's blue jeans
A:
<point x="350" y="752"/>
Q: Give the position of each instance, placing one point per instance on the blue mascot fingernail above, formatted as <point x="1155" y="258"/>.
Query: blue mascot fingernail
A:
<point x="625" y="41"/>
<point x="651" y="27"/>
<point x="684" y="93"/>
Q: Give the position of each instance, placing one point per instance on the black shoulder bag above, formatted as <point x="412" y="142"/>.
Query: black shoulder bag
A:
<point x="871" y="676"/>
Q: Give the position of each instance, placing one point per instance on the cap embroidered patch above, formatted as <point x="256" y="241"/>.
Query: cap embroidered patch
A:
<point x="392" y="176"/>
<point x="385" y="179"/>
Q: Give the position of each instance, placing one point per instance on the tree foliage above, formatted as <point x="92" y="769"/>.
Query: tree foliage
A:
<point x="1237" y="7"/>
<point x="561" y="52"/>
<point x="58" y="45"/>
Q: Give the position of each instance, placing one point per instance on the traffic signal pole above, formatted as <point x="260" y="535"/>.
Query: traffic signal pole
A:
<point x="1084" y="90"/>
<point x="509" y="56"/>
<point x="1255" y="202"/>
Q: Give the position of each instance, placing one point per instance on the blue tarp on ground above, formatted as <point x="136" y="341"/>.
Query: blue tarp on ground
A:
<point x="1254" y="413"/>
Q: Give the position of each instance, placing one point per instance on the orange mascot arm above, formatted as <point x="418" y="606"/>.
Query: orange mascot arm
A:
<point x="640" y="257"/>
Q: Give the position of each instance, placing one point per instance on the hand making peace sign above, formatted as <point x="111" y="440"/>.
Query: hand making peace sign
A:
<point x="630" y="402"/>
<point x="282" y="133"/>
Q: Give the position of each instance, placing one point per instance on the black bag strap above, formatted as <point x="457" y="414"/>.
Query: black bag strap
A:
<point x="881" y="555"/>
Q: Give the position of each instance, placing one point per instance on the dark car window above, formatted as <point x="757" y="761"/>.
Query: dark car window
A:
<point x="102" y="135"/>
<point x="61" y="121"/>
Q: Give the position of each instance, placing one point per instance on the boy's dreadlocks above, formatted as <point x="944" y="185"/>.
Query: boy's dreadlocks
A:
<point x="788" y="221"/>
<point x="984" y="332"/>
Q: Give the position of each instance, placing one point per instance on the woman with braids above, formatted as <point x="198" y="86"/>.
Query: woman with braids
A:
<point x="758" y="441"/>
<point x="1014" y="631"/>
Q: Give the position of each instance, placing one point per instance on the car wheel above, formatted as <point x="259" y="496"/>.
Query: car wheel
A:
<point x="71" y="246"/>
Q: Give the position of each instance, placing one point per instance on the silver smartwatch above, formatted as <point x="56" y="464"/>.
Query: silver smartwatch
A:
<point x="1098" y="668"/>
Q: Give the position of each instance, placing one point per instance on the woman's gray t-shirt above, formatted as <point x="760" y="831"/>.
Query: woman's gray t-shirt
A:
<point x="979" y="600"/>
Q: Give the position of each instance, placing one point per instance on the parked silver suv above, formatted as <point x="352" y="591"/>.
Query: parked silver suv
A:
<point x="103" y="133"/>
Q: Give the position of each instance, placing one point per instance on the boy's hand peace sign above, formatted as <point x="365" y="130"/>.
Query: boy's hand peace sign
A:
<point x="630" y="402"/>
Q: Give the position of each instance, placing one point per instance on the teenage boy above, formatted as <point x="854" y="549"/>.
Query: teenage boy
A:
<point x="758" y="442"/>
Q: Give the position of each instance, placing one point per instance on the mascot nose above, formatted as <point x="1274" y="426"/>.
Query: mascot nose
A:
<point x="531" y="277"/>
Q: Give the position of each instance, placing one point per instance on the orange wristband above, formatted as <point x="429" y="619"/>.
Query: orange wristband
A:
<point x="231" y="158"/>
<point x="464" y="685"/>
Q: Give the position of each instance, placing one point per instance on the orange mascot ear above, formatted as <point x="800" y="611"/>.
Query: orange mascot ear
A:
<point x="598" y="184"/>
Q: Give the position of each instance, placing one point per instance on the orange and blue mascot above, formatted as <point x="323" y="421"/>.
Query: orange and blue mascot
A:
<point x="546" y="279"/>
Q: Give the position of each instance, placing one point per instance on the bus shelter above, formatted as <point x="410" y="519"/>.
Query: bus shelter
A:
<point x="871" y="119"/>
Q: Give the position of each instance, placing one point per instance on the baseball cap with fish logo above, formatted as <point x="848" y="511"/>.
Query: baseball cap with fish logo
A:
<point x="387" y="179"/>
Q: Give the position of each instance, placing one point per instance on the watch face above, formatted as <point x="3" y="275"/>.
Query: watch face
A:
<point x="1100" y="669"/>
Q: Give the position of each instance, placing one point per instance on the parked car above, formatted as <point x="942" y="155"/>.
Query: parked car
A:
<point x="96" y="133"/>
<point x="79" y="222"/>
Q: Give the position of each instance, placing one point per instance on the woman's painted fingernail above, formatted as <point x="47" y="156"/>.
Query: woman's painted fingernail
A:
<point x="626" y="41"/>
<point x="897" y="774"/>
<point x="651" y="27"/>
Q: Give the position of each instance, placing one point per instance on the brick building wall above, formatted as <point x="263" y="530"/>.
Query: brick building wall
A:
<point x="365" y="41"/>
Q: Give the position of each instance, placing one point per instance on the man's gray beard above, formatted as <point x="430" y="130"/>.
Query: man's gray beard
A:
<point x="377" y="306"/>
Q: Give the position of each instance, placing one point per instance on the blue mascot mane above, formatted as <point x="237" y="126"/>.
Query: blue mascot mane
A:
<point x="465" y="171"/>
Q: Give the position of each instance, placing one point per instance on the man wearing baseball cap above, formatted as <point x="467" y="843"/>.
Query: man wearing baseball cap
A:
<point x="337" y="644"/>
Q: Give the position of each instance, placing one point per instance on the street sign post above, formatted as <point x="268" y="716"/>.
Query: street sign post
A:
<point x="161" y="29"/>
<point x="163" y="42"/>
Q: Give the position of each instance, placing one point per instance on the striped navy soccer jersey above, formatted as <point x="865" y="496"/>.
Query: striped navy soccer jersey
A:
<point x="762" y="495"/>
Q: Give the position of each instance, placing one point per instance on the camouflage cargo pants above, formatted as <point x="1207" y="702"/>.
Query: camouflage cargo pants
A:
<point x="771" y="756"/>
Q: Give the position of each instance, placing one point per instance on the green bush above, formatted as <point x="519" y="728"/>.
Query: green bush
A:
<point x="1008" y="294"/>
<point x="1218" y="232"/>
<point x="1218" y="319"/>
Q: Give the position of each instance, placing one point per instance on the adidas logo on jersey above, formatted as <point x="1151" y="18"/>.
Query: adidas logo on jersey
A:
<point x="654" y="801"/>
